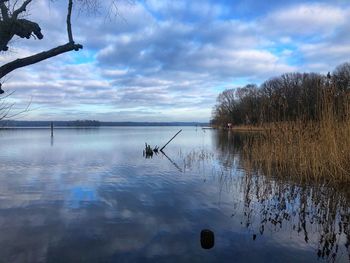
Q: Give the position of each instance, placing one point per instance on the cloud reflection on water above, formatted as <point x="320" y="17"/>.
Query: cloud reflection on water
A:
<point x="92" y="197"/>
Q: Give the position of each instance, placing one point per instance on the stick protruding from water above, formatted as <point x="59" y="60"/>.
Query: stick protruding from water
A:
<point x="161" y="149"/>
<point x="51" y="129"/>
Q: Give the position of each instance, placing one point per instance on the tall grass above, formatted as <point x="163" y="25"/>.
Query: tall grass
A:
<point x="306" y="149"/>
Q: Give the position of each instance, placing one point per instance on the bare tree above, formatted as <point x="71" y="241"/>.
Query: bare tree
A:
<point x="6" y="108"/>
<point x="11" y="25"/>
<point x="289" y="97"/>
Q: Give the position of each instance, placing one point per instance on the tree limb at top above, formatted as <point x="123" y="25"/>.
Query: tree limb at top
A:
<point x="22" y="62"/>
<point x="21" y="9"/>
<point x="25" y="29"/>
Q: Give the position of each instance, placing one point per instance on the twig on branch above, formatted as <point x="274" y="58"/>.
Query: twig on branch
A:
<point x="6" y="108"/>
<point x="69" y="25"/>
<point x="21" y="9"/>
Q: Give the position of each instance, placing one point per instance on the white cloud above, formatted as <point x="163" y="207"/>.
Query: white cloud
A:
<point x="324" y="57"/>
<point x="305" y="19"/>
<point x="168" y="59"/>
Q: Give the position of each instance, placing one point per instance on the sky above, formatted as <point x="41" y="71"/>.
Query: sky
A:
<point x="168" y="60"/>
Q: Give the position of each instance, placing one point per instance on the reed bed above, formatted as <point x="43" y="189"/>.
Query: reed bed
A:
<point x="306" y="149"/>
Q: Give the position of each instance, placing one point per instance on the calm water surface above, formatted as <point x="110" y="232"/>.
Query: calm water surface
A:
<point x="89" y="195"/>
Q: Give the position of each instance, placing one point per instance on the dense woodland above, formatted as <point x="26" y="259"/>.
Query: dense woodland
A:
<point x="289" y="97"/>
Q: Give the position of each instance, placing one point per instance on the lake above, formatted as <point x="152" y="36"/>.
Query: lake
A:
<point x="89" y="195"/>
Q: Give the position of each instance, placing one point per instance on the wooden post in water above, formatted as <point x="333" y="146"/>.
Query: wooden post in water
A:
<point x="170" y="140"/>
<point x="51" y="129"/>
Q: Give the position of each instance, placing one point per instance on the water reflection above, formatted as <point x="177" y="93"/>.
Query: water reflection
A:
<point x="93" y="197"/>
<point x="318" y="213"/>
<point x="172" y="162"/>
<point x="229" y="148"/>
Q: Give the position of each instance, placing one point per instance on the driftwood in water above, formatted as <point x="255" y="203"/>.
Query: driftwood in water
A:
<point x="147" y="152"/>
<point x="161" y="149"/>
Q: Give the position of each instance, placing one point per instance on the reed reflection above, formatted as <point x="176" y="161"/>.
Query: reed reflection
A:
<point x="319" y="213"/>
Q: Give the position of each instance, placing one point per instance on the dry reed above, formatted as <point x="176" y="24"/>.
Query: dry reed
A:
<point x="304" y="149"/>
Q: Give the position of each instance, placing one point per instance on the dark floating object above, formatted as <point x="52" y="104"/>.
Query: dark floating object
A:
<point x="207" y="239"/>
<point x="254" y="236"/>
<point x="1" y="91"/>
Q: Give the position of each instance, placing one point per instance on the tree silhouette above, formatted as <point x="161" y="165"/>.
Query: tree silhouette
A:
<point x="11" y="25"/>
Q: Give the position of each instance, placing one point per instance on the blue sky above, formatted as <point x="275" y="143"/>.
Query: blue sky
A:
<point x="168" y="60"/>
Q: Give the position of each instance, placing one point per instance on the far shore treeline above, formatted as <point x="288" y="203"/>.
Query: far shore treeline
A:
<point x="289" y="97"/>
<point x="90" y="123"/>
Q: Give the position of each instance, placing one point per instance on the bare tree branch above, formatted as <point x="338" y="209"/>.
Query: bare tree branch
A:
<point x="6" y="108"/>
<point x="4" y="10"/>
<point x="11" y="25"/>
<point x="14" y="5"/>
<point x="69" y="25"/>
<point x="22" y="62"/>
<point x="25" y="28"/>
<point x="21" y="9"/>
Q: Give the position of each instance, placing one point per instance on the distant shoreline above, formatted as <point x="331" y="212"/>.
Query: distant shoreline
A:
<point x="93" y="124"/>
